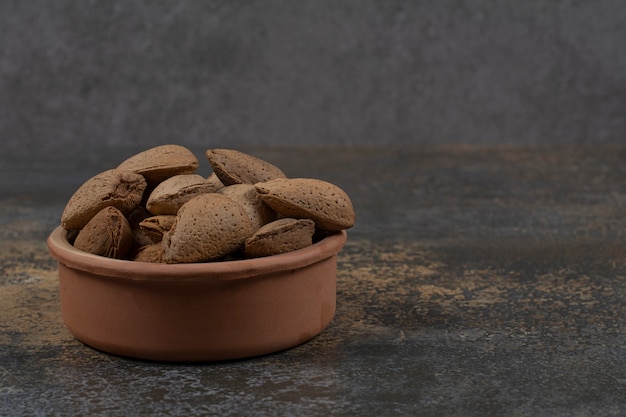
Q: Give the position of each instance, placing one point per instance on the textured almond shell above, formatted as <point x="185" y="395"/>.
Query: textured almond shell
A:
<point x="280" y="236"/>
<point x="207" y="227"/>
<point x="161" y="162"/>
<point x="119" y="189"/>
<point x="156" y="226"/>
<point x="235" y="167"/>
<point x="307" y="198"/>
<point x="175" y="191"/>
<point x="108" y="233"/>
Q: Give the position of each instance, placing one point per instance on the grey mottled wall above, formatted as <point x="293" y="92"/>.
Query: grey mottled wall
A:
<point x="83" y="75"/>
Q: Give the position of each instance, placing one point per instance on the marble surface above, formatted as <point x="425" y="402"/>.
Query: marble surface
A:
<point x="477" y="281"/>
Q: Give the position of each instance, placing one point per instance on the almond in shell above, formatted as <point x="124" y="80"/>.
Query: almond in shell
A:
<point x="307" y="198"/>
<point x="280" y="236"/>
<point x="235" y="167"/>
<point x="161" y="162"/>
<point x="207" y="227"/>
<point x="120" y="189"/>
<point x="156" y="226"/>
<point x="108" y="233"/>
<point x="175" y="191"/>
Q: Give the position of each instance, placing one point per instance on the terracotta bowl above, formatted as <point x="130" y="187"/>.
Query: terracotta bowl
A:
<point x="201" y="311"/>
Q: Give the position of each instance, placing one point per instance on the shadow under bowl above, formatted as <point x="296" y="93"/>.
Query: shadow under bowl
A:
<point x="199" y="311"/>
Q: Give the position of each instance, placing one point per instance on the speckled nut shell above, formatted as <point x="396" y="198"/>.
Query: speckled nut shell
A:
<point x="161" y="162"/>
<point x="207" y="227"/>
<point x="155" y="227"/>
<point x="306" y="198"/>
<point x="114" y="187"/>
<point x="173" y="192"/>
<point x="107" y="234"/>
<point x="234" y="167"/>
<point x="246" y="195"/>
<point x="280" y="236"/>
<point x="150" y="253"/>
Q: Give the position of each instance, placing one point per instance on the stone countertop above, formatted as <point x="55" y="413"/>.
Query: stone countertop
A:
<point x="477" y="281"/>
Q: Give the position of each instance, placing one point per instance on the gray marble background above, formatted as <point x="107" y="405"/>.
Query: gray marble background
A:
<point x="80" y="76"/>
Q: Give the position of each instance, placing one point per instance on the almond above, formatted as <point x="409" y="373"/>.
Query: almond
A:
<point x="115" y="188"/>
<point x="280" y="236"/>
<point x="234" y="167"/>
<point x="207" y="227"/>
<point x="175" y="191"/>
<point x="306" y="198"/>
<point x="161" y="162"/>
<point x="108" y="233"/>
<point x="156" y="226"/>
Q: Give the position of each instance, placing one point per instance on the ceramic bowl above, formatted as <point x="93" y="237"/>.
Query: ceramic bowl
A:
<point x="201" y="311"/>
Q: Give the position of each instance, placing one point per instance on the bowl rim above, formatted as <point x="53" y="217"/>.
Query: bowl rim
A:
<point x="65" y="253"/>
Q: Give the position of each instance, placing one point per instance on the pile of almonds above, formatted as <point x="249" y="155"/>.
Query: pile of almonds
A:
<point x="154" y="207"/>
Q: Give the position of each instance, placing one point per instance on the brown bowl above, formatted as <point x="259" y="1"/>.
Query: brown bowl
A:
<point x="201" y="311"/>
